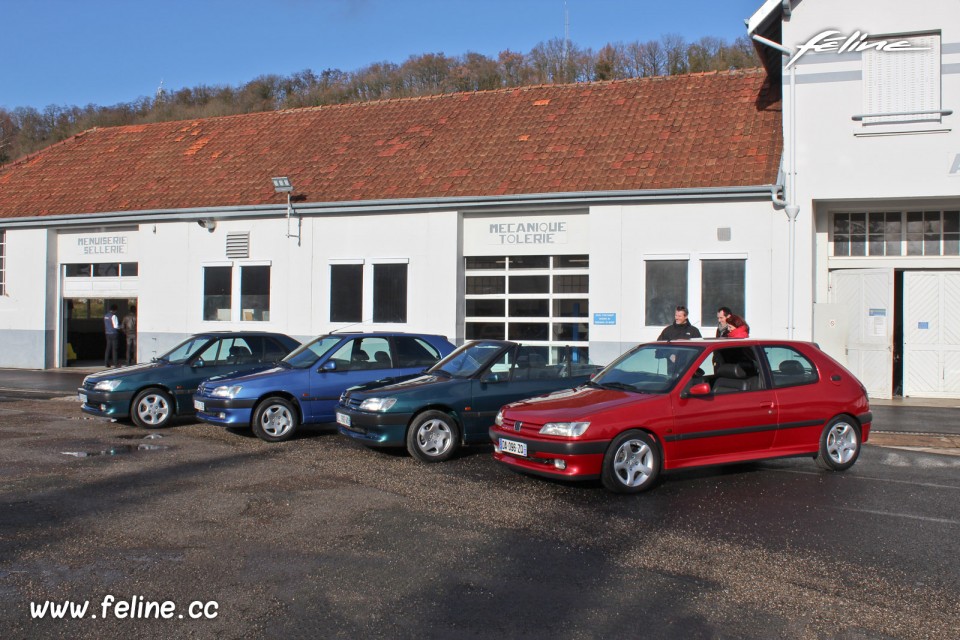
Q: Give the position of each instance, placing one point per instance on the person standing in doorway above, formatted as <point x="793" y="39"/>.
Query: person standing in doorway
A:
<point x="111" y="327"/>
<point x="129" y="325"/>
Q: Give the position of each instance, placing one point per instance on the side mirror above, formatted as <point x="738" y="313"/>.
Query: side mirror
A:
<point x="198" y="364"/>
<point x="491" y="378"/>
<point x="698" y="391"/>
<point x="329" y="365"/>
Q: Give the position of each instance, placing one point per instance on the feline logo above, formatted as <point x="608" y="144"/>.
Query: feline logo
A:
<point x="833" y="40"/>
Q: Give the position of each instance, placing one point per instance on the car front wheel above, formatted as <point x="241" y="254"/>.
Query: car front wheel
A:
<point x="152" y="409"/>
<point x="275" y="420"/>
<point x="433" y="436"/>
<point x="631" y="463"/>
<point x="839" y="444"/>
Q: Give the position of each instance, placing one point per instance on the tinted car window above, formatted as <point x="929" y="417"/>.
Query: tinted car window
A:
<point x="414" y="352"/>
<point x="789" y="367"/>
<point x="218" y="352"/>
<point x="305" y="355"/>
<point x="272" y="350"/>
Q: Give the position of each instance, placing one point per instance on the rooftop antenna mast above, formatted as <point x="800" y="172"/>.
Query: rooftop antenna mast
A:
<point x="566" y="32"/>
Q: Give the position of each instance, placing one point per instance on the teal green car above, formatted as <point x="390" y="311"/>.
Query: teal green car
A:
<point x="454" y="402"/>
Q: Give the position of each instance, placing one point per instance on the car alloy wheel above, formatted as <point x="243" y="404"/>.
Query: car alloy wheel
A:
<point x="839" y="444"/>
<point x="275" y="420"/>
<point x="152" y="409"/>
<point x="433" y="437"/>
<point x="631" y="463"/>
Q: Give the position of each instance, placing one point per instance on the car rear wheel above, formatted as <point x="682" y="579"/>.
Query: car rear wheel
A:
<point x="152" y="409"/>
<point x="839" y="444"/>
<point x="631" y="463"/>
<point x="275" y="420"/>
<point x="433" y="436"/>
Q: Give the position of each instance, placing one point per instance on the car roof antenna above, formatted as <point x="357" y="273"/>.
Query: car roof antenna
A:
<point x="342" y="329"/>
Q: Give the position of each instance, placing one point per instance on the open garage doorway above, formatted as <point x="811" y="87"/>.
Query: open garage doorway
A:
<point x="83" y="331"/>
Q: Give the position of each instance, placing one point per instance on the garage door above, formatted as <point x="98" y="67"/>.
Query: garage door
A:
<point x="931" y="334"/>
<point x="866" y="296"/>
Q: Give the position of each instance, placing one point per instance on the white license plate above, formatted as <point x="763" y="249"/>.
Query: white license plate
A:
<point x="83" y="397"/>
<point x="343" y="419"/>
<point x="198" y="405"/>
<point x="516" y="448"/>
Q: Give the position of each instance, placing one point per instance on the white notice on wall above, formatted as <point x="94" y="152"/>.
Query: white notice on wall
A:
<point x="877" y="321"/>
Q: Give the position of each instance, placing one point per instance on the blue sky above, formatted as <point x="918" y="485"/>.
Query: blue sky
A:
<point x="79" y="52"/>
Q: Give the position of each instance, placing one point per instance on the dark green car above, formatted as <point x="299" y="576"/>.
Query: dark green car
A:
<point x="152" y="393"/>
<point x="454" y="402"/>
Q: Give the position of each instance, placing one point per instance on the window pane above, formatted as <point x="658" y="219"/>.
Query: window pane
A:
<point x="571" y="262"/>
<point x="724" y="284"/>
<point x="951" y="221"/>
<point x="841" y="223"/>
<point x="255" y="293"/>
<point x="530" y="308"/>
<point x="666" y="287"/>
<point x="576" y="308"/>
<point x="128" y="269"/>
<point x="571" y="284"/>
<point x="529" y="262"/>
<point x="573" y="331"/>
<point x="495" y="308"/>
<point x="486" y="285"/>
<point x="346" y="293"/>
<point x="217" y="286"/>
<point x="789" y="367"/>
<point x="876" y="246"/>
<point x="858" y="246"/>
<point x="485" y="331"/>
<point x="841" y="245"/>
<point x="529" y="331"/>
<point x="79" y="270"/>
<point x="530" y="284"/>
<point x="486" y="262"/>
<point x="876" y="223"/>
<point x="106" y="270"/>
<point x="389" y="293"/>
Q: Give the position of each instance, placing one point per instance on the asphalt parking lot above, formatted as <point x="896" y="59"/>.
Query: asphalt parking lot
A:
<point x="322" y="537"/>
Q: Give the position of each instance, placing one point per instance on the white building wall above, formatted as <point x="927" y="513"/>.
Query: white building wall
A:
<point x="26" y="330"/>
<point x="624" y="238"/>
<point x="841" y="162"/>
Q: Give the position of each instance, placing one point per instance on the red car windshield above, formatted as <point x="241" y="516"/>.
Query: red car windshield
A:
<point x="653" y="368"/>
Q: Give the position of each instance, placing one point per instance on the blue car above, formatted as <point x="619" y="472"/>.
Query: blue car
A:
<point x="305" y="387"/>
<point x="152" y="393"/>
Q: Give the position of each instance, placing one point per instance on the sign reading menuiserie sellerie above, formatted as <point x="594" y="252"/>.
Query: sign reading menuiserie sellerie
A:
<point x="113" y="246"/>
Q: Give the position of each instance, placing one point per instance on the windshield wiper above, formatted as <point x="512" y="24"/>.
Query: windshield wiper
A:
<point x="618" y="385"/>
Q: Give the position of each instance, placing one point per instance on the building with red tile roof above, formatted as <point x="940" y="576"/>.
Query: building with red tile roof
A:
<point x="515" y="213"/>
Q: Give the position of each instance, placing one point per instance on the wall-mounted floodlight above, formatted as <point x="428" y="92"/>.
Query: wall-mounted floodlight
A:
<point x="282" y="184"/>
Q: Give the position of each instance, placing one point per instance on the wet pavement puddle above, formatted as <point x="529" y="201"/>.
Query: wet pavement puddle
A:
<point x="121" y="449"/>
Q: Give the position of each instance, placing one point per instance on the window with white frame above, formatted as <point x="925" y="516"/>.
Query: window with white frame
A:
<point x="906" y="83"/>
<point x="217" y="293"/>
<point x="666" y="288"/>
<point x="895" y="233"/>
<point x="385" y="279"/>
<point x="723" y="283"/>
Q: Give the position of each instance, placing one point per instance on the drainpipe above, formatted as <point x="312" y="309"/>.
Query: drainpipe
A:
<point x="790" y="200"/>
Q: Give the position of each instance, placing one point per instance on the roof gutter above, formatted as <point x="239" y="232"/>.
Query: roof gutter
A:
<point x="470" y="203"/>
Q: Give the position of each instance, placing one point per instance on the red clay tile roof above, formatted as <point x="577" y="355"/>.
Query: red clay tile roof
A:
<point x="700" y="130"/>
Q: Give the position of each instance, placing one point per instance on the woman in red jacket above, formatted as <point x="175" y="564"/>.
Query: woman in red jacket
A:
<point x="731" y="325"/>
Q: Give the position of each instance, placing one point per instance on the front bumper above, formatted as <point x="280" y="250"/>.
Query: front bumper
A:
<point x="560" y="459"/>
<point x="224" y="412"/>
<point x="105" y="404"/>
<point x="386" y="429"/>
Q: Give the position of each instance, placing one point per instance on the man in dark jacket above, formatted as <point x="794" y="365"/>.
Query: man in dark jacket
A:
<point x="681" y="329"/>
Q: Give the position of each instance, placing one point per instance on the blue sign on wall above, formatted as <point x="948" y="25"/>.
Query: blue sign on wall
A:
<point x="604" y="318"/>
<point x="923" y="325"/>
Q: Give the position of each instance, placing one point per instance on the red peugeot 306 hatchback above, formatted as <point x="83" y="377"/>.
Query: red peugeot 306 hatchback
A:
<point x="674" y="405"/>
